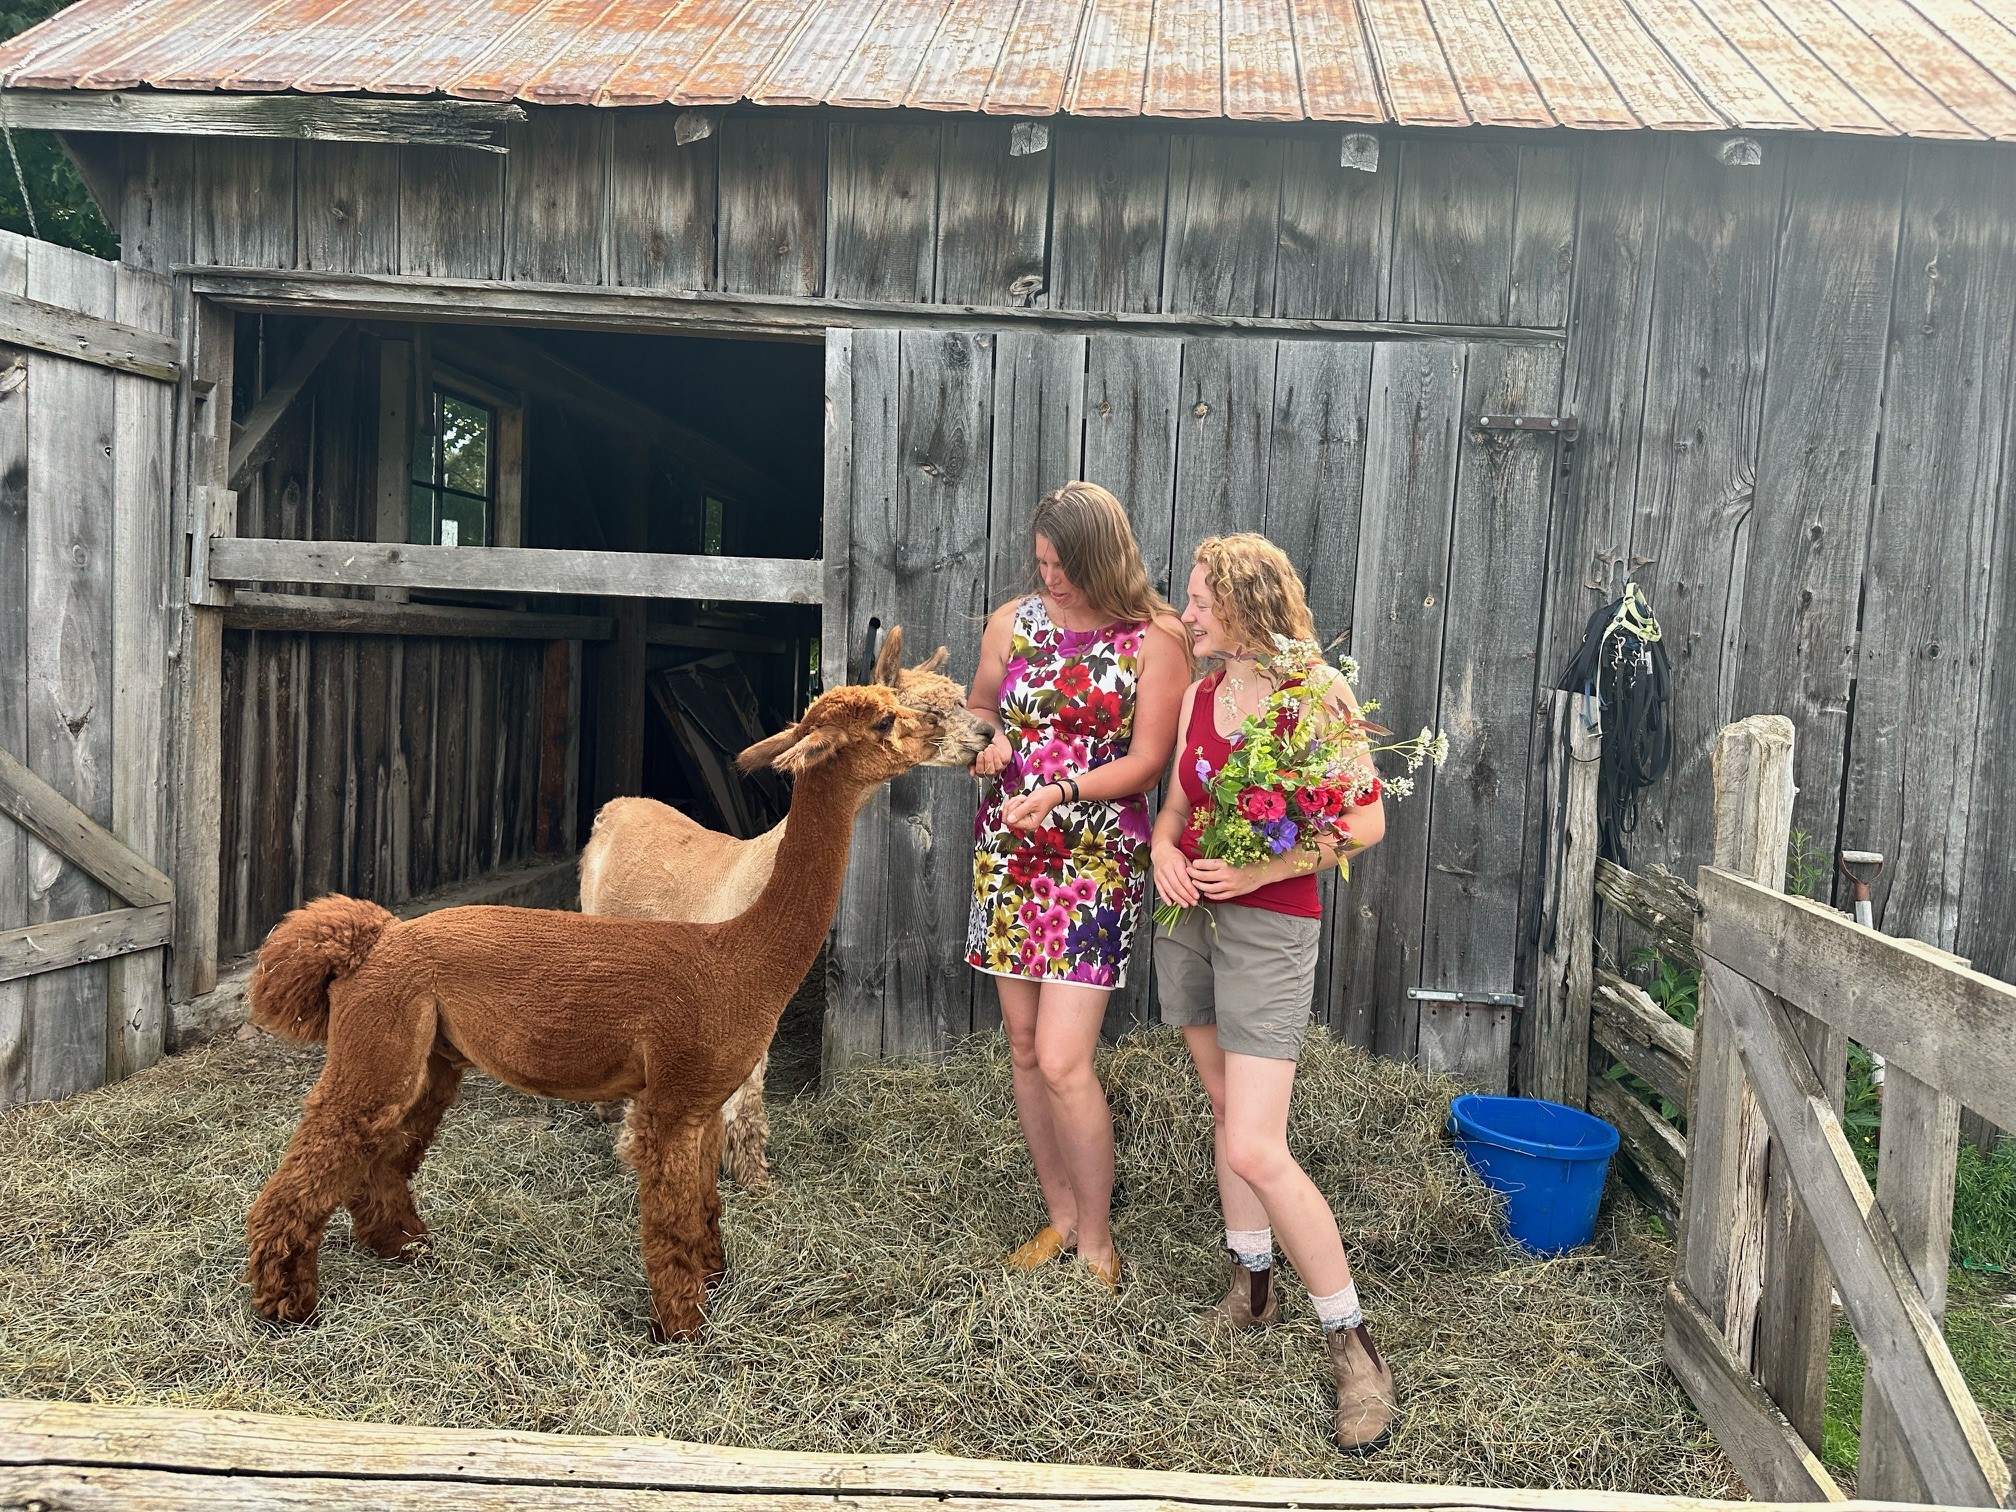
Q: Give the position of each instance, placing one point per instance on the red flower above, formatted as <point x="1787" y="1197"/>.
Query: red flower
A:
<point x="1321" y="802"/>
<point x="1260" y="806"/>
<point x="1099" y="713"/>
<point x="1074" y="681"/>
<point x="1369" y="796"/>
<point x="1043" y="853"/>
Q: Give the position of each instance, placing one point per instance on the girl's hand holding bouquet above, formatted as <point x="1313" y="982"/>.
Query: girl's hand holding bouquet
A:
<point x="1297" y="769"/>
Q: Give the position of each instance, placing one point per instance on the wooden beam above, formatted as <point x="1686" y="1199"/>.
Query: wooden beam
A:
<point x="1642" y="1036"/>
<point x="492" y="302"/>
<point x="87" y="338"/>
<point x="1654" y="1146"/>
<point x="255" y="440"/>
<point x="77" y="942"/>
<point x="1559" y="1022"/>
<point x="349" y="616"/>
<point x="1948" y="1440"/>
<point x="508" y="569"/>
<point x="514" y="360"/>
<point x="1915" y="1170"/>
<point x="1657" y="902"/>
<point x="224" y="1446"/>
<point x="1766" y="1450"/>
<point x="77" y="837"/>
<point x="1909" y="1002"/>
<point x="1720" y="1262"/>
<point x="707" y="638"/>
<point x="325" y="118"/>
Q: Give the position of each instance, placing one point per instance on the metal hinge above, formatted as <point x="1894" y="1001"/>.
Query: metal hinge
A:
<point x="1565" y="426"/>
<point x="1484" y="999"/>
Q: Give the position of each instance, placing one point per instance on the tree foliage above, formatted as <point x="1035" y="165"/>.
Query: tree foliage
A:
<point x="64" y="210"/>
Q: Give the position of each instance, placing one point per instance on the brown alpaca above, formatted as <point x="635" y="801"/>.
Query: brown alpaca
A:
<point x="669" y="1015"/>
<point x="646" y="860"/>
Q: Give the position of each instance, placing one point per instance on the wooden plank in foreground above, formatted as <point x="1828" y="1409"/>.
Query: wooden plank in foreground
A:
<point x="41" y="1441"/>
<point x="1766" y="1450"/>
<point x="1909" y="1002"/>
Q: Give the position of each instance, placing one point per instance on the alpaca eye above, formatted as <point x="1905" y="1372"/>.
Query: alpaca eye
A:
<point x="885" y="724"/>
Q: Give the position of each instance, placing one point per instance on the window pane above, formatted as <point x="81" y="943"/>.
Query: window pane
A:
<point x="465" y="445"/>
<point x="469" y="519"/>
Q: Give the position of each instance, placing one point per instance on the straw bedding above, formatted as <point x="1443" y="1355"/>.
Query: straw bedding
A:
<point x="867" y="1308"/>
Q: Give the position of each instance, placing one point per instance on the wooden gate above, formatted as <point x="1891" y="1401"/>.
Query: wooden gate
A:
<point x="1417" y="530"/>
<point x="88" y="609"/>
<point x="1785" y="983"/>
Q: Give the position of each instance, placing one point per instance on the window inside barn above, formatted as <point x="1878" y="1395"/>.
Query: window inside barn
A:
<point x="455" y="472"/>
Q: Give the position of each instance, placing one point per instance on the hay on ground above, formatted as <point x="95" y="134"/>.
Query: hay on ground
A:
<point x="867" y="1307"/>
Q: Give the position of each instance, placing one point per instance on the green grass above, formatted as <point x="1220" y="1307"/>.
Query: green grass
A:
<point x="1980" y="1330"/>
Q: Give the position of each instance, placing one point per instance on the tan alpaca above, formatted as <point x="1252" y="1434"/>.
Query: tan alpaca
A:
<point x="669" y="1015"/>
<point x="646" y="860"/>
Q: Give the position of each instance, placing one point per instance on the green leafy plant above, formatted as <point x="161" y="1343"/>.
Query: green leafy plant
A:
<point x="64" y="209"/>
<point x="1805" y="865"/>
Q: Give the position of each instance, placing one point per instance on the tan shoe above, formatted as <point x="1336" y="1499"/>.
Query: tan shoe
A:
<point x="1365" y="1398"/>
<point x="1251" y="1300"/>
<point x="1046" y="1246"/>
<point x="1107" y="1272"/>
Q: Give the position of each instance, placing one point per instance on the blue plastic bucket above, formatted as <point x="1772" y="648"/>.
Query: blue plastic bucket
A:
<point x="1550" y="1161"/>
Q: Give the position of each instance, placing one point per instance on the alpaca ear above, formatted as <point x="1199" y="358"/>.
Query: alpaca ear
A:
<point x="766" y="751"/>
<point x="889" y="661"/>
<point x="810" y="751"/>
<point x="934" y="661"/>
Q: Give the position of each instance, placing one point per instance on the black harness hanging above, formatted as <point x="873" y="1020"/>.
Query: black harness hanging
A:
<point x="1622" y="663"/>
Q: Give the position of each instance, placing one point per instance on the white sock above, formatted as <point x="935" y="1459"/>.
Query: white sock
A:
<point x="1340" y="1309"/>
<point x="1252" y="1248"/>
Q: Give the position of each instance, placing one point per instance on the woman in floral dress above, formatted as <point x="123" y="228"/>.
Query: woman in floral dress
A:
<point x="1082" y="677"/>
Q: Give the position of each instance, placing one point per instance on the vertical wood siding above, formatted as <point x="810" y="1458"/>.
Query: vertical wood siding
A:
<point x="1792" y="383"/>
<point x="378" y="766"/>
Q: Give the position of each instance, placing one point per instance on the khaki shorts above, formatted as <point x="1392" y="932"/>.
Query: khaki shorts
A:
<point x="1250" y="971"/>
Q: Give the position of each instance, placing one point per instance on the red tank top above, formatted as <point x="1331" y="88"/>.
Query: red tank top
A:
<point x="1202" y="742"/>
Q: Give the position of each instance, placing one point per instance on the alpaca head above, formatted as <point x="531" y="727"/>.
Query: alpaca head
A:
<point x="925" y="688"/>
<point x="863" y="733"/>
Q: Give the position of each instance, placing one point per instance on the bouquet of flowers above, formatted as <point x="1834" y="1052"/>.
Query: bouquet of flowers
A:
<point x="1297" y="767"/>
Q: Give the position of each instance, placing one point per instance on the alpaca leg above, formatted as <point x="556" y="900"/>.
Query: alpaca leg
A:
<point x="382" y="1214"/>
<point x="368" y="1085"/>
<point x="676" y="1160"/>
<point x="713" y="1253"/>
<point x="747" y="1133"/>
<point x="322" y="1169"/>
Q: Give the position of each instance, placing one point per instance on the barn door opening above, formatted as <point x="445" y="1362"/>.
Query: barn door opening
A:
<point x="89" y="599"/>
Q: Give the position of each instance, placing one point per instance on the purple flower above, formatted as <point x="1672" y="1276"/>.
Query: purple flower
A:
<point x="1281" y="833"/>
<point x="1097" y="935"/>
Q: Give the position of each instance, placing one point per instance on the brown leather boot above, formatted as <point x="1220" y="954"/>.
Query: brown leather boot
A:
<point x="1250" y="1301"/>
<point x="1365" y="1398"/>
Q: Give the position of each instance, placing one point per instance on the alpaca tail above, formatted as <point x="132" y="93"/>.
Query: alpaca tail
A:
<point x="306" y="951"/>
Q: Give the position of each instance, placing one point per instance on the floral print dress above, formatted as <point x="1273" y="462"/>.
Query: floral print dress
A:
<point x="1060" y="903"/>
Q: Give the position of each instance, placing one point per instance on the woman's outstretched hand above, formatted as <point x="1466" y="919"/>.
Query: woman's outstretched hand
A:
<point x="1029" y="810"/>
<point x="990" y="761"/>
<point x="1172" y="877"/>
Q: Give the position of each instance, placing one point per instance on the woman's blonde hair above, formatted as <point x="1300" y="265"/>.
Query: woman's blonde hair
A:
<point x="1095" y="545"/>
<point x="1256" y="593"/>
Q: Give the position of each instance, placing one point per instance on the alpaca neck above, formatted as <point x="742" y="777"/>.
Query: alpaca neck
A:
<point x="789" y="919"/>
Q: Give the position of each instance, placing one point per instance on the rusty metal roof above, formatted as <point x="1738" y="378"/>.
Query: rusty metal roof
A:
<point x="1935" y="68"/>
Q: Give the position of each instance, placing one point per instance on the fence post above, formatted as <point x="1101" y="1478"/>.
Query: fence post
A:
<point x="1564" y="978"/>
<point x="1720" y="1262"/>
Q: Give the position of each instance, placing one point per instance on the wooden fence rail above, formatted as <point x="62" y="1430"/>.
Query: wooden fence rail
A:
<point x="1785" y="984"/>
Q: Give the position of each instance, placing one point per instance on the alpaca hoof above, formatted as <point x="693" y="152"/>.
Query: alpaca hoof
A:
<point x="285" y="1314"/>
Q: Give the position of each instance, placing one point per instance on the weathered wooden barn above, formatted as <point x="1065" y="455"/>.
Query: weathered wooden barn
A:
<point x="500" y="405"/>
